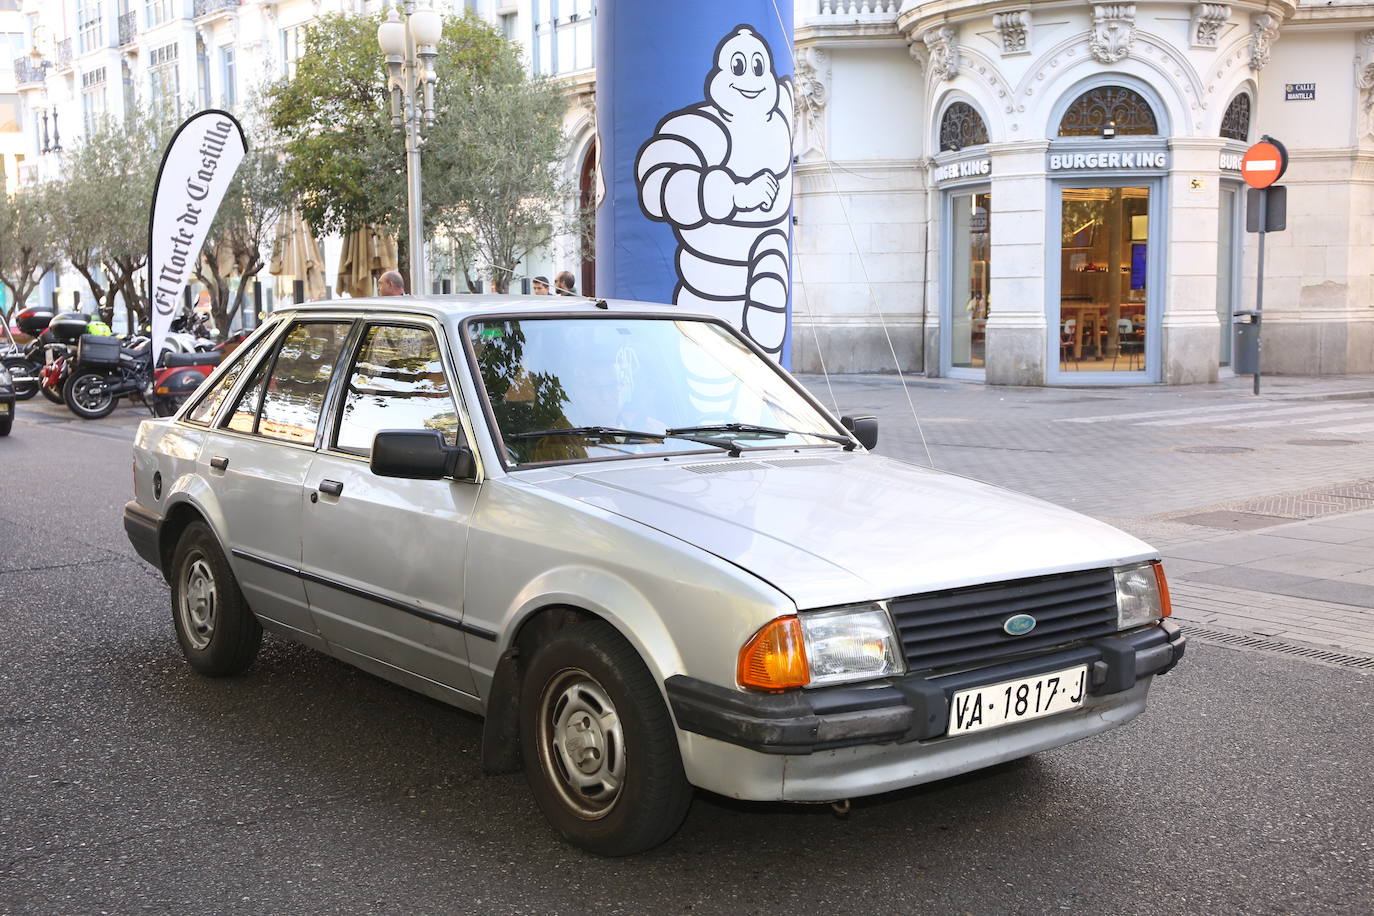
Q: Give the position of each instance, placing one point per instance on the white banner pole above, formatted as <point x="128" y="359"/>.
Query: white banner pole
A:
<point x="199" y="163"/>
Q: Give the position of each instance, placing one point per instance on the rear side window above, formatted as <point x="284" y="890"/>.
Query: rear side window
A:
<point x="397" y="381"/>
<point x="294" y="396"/>
<point x="209" y="405"/>
<point x="284" y="398"/>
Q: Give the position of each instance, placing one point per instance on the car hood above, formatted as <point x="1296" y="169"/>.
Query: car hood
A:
<point x="835" y="528"/>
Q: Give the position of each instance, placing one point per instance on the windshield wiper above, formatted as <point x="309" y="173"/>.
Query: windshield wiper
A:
<point x="615" y="432"/>
<point x="761" y="430"/>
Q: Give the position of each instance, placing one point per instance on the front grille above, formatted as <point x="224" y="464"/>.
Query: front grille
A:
<point x="963" y="626"/>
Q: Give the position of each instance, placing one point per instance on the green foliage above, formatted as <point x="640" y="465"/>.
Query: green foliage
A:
<point x="102" y="206"/>
<point x="28" y="247"/>
<point x="490" y="160"/>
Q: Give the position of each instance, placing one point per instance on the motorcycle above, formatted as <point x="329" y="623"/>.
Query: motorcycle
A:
<point x="106" y="371"/>
<point x="25" y="361"/>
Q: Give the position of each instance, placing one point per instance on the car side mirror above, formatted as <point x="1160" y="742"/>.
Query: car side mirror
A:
<point x="865" y="429"/>
<point x="419" y="454"/>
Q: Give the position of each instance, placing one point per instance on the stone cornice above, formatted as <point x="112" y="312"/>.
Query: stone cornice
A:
<point x="918" y="18"/>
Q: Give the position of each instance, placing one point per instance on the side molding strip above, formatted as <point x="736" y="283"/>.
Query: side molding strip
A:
<point x="366" y="595"/>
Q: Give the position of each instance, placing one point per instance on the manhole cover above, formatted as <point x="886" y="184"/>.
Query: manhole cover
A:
<point x="1323" y="442"/>
<point x="1214" y="449"/>
<point x="1233" y="521"/>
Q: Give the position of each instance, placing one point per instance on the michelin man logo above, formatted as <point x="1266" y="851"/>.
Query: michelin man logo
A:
<point x="720" y="173"/>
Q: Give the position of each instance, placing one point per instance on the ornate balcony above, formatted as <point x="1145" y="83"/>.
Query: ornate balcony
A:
<point x="207" y="8"/>
<point x="128" y="27"/>
<point x="858" y="9"/>
<point x="27" y="73"/>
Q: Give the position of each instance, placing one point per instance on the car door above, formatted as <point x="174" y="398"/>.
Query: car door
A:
<point x="383" y="557"/>
<point x="257" y="459"/>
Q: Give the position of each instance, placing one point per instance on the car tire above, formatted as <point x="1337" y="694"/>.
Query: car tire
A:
<point x="25" y="368"/>
<point x="79" y="394"/>
<point x="586" y="692"/>
<point x="216" y="629"/>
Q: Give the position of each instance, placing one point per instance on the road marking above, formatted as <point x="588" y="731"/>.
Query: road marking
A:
<point x="1173" y="412"/>
<point x="1365" y="428"/>
<point x="1223" y="420"/>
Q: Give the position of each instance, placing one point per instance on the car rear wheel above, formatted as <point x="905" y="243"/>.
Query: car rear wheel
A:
<point x="218" y="633"/>
<point x="600" y="749"/>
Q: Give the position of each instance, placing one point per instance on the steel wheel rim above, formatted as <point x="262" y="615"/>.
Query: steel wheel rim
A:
<point x="198" y="601"/>
<point x="82" y="395"/>
<point x="581" y="743"/>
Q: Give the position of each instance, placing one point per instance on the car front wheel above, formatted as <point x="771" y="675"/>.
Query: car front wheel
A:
<point x="218" y="633"/>
<point x="600" y="749"/>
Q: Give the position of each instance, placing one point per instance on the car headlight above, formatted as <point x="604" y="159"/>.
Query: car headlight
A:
<point x="1142" y="594"/>
<point x="820" y="648"/>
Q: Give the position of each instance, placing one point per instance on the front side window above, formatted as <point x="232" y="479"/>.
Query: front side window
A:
<point x="397" y="382"/>
<point x="571" y="389"/>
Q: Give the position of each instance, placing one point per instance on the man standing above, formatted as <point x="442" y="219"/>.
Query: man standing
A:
<point x="391" y="284"/>
<point x="541" y="286"/>
<point x="563" y="283"/>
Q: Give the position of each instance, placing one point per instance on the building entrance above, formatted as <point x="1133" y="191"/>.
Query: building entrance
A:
<point x="1104" y="270"/>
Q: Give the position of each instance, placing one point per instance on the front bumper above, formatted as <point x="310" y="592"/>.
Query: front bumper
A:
<point x="913" y="708"/>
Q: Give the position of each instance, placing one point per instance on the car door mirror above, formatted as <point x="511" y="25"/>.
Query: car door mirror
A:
<point x="865" y="429"/>
<point x="419" y="454"/>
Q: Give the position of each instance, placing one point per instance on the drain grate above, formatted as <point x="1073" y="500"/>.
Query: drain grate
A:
<point x="1243" y="641"/>
<point x="1214" y="449"/>
<point x="1246" y="514"/>
<point x="1323" y="442"/>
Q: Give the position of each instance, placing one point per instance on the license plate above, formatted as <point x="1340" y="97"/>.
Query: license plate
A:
<point x="1017" y="701"/>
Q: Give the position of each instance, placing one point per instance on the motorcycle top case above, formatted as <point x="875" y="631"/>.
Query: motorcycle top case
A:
<point x="97" y="352"/>
<point x="33" y="320"/>
<point x="68" y="327"/>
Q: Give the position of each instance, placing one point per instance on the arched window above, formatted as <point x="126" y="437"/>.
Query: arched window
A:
<point x="962" y="127"/>
<point x="1094" y="109"/>
<point x="1235" y="124"/>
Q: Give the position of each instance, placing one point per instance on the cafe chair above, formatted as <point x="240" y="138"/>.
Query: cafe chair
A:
<point x="1067" y="334"/>
<point x="1130" y="343"/>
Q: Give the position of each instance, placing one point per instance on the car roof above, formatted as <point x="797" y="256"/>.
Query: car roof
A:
<point x="465" y="305"/>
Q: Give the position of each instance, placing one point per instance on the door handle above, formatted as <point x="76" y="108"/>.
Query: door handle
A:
<point x="331" y="487"/>
<point x="219" y="462"/>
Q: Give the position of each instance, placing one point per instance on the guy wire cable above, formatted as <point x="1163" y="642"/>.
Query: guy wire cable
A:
<point x="863" y="265"/>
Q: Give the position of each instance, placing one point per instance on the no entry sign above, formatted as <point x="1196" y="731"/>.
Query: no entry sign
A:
<point x="1264" y="163"/>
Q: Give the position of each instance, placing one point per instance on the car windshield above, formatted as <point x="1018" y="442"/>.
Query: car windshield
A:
<point x="580" y="388"/>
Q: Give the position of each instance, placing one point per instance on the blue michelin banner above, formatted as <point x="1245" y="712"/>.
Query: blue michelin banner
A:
<point x="695" y="108"/>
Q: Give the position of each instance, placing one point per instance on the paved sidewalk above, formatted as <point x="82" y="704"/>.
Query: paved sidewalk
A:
<point x="1262" y="507"/>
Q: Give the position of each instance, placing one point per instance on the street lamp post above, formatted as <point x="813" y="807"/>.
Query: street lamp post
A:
<point x="410" y="46"/>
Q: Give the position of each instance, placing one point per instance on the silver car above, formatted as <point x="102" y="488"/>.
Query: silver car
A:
<point x="641" y="550"/>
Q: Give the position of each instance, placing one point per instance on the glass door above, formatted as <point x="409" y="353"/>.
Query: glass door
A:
<point x="1105" y="267"/>
<point x="970" y="225"/>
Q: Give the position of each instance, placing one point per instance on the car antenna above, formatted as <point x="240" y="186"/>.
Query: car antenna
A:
<point x="601" y="304"/>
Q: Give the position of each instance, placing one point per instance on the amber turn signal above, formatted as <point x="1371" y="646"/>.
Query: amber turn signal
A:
<point x="1165" y="608"/>
<point x="774" y="658"/>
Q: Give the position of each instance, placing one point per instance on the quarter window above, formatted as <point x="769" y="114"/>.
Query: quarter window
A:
<point x="209" y="405"/>
<point x="397" y="382"/>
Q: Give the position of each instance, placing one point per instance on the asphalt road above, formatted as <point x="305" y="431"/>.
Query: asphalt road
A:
<point x="130" y="784"/>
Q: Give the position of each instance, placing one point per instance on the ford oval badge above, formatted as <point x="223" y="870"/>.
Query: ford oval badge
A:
<point x="1019" y="625"/>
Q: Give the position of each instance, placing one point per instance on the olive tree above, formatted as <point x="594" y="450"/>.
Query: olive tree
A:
<point x="28" y="247"/>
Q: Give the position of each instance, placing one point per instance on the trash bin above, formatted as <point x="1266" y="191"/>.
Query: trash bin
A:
<point x="1245" y="357"/>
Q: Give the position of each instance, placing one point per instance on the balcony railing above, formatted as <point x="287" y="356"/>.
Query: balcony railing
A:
<point x="64" y="54"/>
<point x="128" y="27"/>
<point x="26" y="71"/>
<point x="210" y="7"/>
<point x="858" y="9"/>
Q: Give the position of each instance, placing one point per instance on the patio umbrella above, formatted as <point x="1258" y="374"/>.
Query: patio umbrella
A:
<point x="296" y="256"/>
<point x="367" y="252"/>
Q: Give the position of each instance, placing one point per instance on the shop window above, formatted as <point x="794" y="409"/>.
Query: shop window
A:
<point x="962" y="127"/>
<point x="1105" y="107"/>
<point x="1235" y="124"/>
